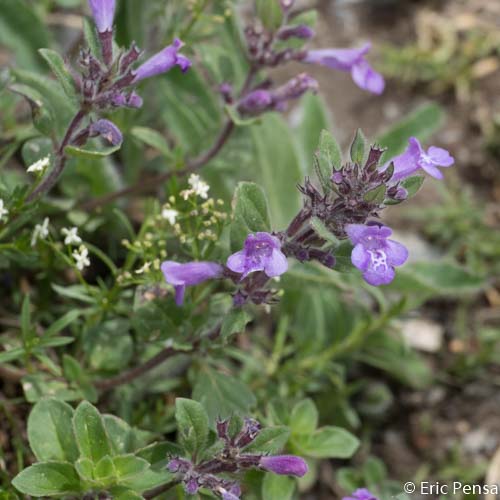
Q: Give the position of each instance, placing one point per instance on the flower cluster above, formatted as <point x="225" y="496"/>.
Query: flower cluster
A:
<point x="108" y="83"/>
<point x="348" y="207"/>
<point x="232" y="459"/>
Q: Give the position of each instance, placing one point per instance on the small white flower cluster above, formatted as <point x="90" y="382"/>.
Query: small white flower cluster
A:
<point x="198" y="187"/>
<point x="40" y="232"/>
<point x="81" y="256"/>
<point x="3" y="211"/>
<point x="170" y="214"/>
<point x="39" y="166"/>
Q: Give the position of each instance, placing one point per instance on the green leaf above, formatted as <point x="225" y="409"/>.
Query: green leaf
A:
<point x="91" y="38"/>
<point x="125" y="494"/>
<point x="314" y="121"/>
<point x="128" y="466"/>
<point x="222" y="395"/>
<point x="422" y="123"/>
<point x="358" y="148"/>
<point x="250" y="213"/>
<point x="424" y="279"/>
<point x="90" y="433"/>
<point x="78" y="152"/>
<point x="238" y="120"/>
<point x="328" y="159"/>
<point x="192" y="424"/>
<point x="413" y="185"/>
<point x="104" y="469"/>
<point x="50" y="431"/>
<point x="58" y="67"/>
<point x="270" y="440"/>
<point x="276" y="487"/>
<point x="304" y="417"/>
<point x="152" y="138"/>
<point x="376" y="195"/>
<point x="85" y="469"/>
<point x="60" y="324"/>
<point x="48" y="479"/>
<point x="277" y="167"/>
<point x="234" y="322"/>
<point x="270" y="13"/>
<point x="323" y="232"/>
<point x="121" y="435"/>
<point x="326" y="442"/>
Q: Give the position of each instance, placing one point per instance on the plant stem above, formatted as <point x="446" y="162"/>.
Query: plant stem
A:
<point x="157" y="360"/>
<point x="160" y="489"/>
<point x="49" y="182"/>
<point x="191" y="165"/>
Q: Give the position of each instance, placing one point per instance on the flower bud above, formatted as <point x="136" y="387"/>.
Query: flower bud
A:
<point x="107" y="130"/>
<point x="287" y="465"/>
<point x="103" y="12"/>
<point x="301" y="31"/>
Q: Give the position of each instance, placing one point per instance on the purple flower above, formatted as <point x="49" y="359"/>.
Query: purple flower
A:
<point x="415" y="158"/>
<point x="191" y="486"/>
<point x="287" y="465"/>
<point x="162" y="62"/>
<point x="103" y="12"/>
<point x="192" y="273"/>
<point x="179" y="465"/>
<point x="301" y="31"/>
<point x="107" y="130"/>
<point x="374" y="254"/>
<point x="262" y="252"/>
<point x="352" y="60"/>
<point x="361" y="494"/>
<point x="233" y="493"/>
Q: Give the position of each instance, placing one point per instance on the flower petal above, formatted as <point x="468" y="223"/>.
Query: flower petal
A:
<point x="375" y="278"/>
<point x="276" y="264"/>
<point x="397" y="253"/>
<point x="236" y="262"/>
<point x="180" y="291"/>
<point x="440" y="157"/>
<point x="360" y="258"/>
<point x="432" y="170"/>
<point x="355" y="232"/>
<point x="367" y="78"/>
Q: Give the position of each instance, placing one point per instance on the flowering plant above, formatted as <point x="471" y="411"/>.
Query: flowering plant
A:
<point x="186" y="278"/>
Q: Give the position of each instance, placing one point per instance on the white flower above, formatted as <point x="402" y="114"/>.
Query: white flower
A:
<point x="170" y="215"/>
<point x="71" y="234"/>
<point x="199" y="187"/>
<point x="144" y="268"/>
<point x="40" y="165"/>
<point x="81" y="257"/>
<point x="41" y="231"/>
<point x="3" y="211"/>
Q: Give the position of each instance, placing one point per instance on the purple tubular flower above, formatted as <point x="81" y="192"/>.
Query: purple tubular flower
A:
<point x="107" y="130"/>
<point x="352" y="60"/>
<point x="415" y="158"/>
<point x="374" y="254"/>
<point x="262" y="252"/>
<point x="301" y="31"/>
<point x="192" y="273"/>
<point x="361" y="494"/>
<point x="191" y="487"/>
<point x="103" y="12"/>
<point x="256" y="102"/>
<point x="287" y="465"/>
<point x="162" y="62"/>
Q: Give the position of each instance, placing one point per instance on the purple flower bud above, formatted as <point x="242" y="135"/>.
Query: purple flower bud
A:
<point x="256" y="102"/>
<point x="374" y="254"/>
<point x="361" y="494"/>
<point x="287" y="465"/>
<point x="134" y="100"/>
<point x="228" y="495"/>
<point x="301" y="31"/>
<point x="337" y="177"/>
<point x="179" y="465"/>
<point x="295" y="88"/>
<point x="107" y="130"/>
<point x="286" y="5"/>
<point x="162" y="62"/>
<point x="103" y="12"/>
<point x="352" y="60"/>
<point x="262" y="252"/>
<point x="191" y="487"/>
<point x="401" y="193"/>
<point x="415" y="158"/>
<point x="192" y="273"/>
